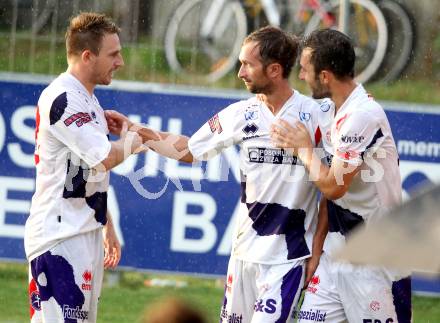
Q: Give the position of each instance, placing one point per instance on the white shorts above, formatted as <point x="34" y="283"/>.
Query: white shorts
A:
<point x="342" y="292"/>
<point x="65" y="282"/>
<point x="261" y="293"/>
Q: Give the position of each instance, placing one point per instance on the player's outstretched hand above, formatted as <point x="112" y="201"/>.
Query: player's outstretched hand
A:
<point x="115" y="120"/>
<point x="290" y="137"/>
<point x="112" y="247"/>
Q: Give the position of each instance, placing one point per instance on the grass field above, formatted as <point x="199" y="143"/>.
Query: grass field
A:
<point x="130" y="300"/>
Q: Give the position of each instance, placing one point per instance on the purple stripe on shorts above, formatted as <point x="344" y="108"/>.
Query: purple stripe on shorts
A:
<point x="289" y="288"/>
<point x="401" y="290"/>
<point x="60" y="285"/>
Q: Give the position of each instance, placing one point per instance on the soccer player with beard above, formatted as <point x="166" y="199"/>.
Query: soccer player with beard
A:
<point x="278" y="210"/>
<point x="361" y="182"/>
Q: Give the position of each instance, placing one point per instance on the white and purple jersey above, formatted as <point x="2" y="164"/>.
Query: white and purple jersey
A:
<point x="278" y="202"/>
<point x="71" y="139"/>
<point x="359" y="134"/>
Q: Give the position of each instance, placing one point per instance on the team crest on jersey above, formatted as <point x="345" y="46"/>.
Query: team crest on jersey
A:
<point x="324" y="106"/>
<point x="215" y="125"/>
<point x="251" y="115"/>
<point x="304" y="116"/>
<point x="80" y="119"/>
<point x="250" y="129"/>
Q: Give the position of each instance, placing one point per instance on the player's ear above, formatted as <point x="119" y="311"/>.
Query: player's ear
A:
<point x="273" y="70"/>
<point x="87" y="56"/>
<point x="324" y="76"/>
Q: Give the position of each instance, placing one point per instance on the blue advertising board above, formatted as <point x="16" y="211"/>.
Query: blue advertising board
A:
<point x="171" y="216"/>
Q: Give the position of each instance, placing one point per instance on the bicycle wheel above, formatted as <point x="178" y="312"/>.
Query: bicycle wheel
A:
<point x="366" y="27"/>
<point x="210" y="57"/>
<point x="401" y="38"/>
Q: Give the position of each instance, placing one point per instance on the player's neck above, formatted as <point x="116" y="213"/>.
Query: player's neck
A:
<point x="341" y="91"/>
<point x="278" y="97"/>
<point x="83" y="77"/>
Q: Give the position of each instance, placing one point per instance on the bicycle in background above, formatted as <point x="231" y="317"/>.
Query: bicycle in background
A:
<point x="204" y="37"/>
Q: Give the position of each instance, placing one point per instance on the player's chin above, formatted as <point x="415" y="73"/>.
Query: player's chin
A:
<point x="108" y="78"/>
<point x="106" y="81"/>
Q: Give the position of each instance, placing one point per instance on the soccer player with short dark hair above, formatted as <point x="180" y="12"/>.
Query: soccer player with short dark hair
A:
<point x="278" y="211"/>
<point x="361" y="182"/>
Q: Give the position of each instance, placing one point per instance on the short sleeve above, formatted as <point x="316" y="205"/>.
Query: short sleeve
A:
<point x="356" y="133"/>
<point x="72" y="124"/>
<point x="217" y="134"/>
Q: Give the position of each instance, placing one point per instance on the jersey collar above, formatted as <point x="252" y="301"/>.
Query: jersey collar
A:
<point x="76" y="83"/>
<point x="358" y="92"/>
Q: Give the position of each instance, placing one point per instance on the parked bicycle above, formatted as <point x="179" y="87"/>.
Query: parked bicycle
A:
<point x="203" y="37"/>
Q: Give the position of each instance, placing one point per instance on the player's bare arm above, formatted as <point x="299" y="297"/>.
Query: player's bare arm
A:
<point x="332" y="181"/>
<point x="318" y="241"/>
<point x="112" y="246"/>
<point x="128" y="143"/>
<point x="164" y="143"/>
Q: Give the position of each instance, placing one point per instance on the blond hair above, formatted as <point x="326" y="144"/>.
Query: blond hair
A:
<point x="86" y="31"/>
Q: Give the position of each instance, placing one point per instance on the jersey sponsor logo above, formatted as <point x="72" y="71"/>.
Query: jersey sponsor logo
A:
<point x="250" y="137"/>
<point x="75" y="313"/>
<point x="271" y="156"/>
<point x="87" y="276"/>
<point x="250" y="128"/>
<point x="215" y="125"/>
<point x="311" y="315"/>
<point x="267" y="306"/>
<point x="313" y="284"/>
<point x="251" y="115"/>
<point x="388" y="320"/>
<point x="80" y="119"/>
<point x="324" y="106"/>
<point x="352" y="139"/>
<point x="230" y="318"/>
<point x="304" y="116"/>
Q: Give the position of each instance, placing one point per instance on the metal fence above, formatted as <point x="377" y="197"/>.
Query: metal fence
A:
<point x="32" y="36"/>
